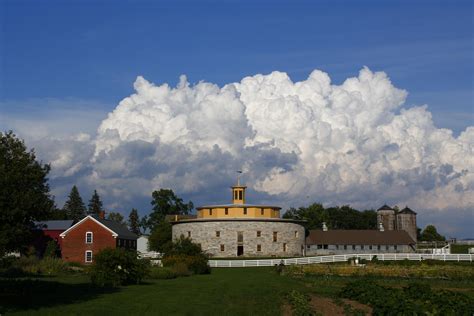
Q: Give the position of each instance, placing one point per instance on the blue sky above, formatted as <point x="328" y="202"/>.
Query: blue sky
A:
<point x="93" y="50"/>
<point x="64" y="66"/>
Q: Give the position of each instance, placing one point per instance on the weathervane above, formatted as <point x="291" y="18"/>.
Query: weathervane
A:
<point x="238" y="176"/>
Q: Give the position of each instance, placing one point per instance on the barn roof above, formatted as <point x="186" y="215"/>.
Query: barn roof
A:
<point x="407" y="210"/>
<point x="53" y="225"/>
<point x="385" y="207"/>
<point x="359" y="237"/>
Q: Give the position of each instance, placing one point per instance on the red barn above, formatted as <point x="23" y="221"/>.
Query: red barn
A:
<point x="91" y="234"/>
<point x="46" y="231"/>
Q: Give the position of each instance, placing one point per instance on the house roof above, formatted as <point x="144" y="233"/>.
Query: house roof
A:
<point x="117" y="229"/>
<point x="121" y="230"/>
<point x="385" y="207"/>
<point x="53" y="225"/>
<point x="359" y="237"/>
<point x="407" y="210"/>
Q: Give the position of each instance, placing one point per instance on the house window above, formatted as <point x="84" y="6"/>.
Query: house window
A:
<point x="386" y="247"/>
<point x="353" y="247"/>
<point x="362" y="247"/>
<point x="275" y="236"/>
<point x="259" y="233"/>
<point x="89" y="238"/>
<point x="345" y="247"/>
<point x="218" y="233"/>
<point x="284" y="247"/>
<point x="210" y="212"/>
<point x="222" y="247"/>
<point x="337" y="247"/>
<point x="189" y="234"/>
<point x="226" y="211"/>
<point x="259" y="247"/>
<point x="261" y="211"/>
<point x="296" y="234"/>
<point x="378" y="247"/>
<point x="325" y="246"/>
<point x="88" y="256"/>
<point x="245" y="211"/>
<point x="370" y="247"/>
<point x="395" y="247"/>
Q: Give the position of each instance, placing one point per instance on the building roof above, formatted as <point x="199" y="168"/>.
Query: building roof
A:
<point x="407" y="210"/>
<point x="121" y="230"/>
<point x="237" y="205"/>
<point x="53" y="225"/>
<point x="385" y="207"/>
<point x="359" y="237"/>
<point x="239" y="219"/>
<point x="117" y="229"/>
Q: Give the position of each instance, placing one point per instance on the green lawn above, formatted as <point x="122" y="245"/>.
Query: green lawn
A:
<point x="236" y="291"/>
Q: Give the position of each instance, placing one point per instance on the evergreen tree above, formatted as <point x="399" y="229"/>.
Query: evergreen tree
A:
<point x="95" y="204"/>
<point x="74" y="207"/>
<point x="134" y="222"/>
<point x="116" y="217"/>
<point x="24" y="193"/>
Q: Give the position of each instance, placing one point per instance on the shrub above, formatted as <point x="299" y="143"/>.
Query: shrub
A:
<point x="188" y="255"/>
<point x="52" y="250"/>
<point x="300" y="303"/>
<point x="162" y="273"/>
<point x="115" y="267"/>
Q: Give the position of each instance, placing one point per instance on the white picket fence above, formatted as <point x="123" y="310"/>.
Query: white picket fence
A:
<point x="337" y="258"/>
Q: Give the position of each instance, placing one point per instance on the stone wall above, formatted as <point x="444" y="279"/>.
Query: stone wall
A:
<point x="290" y="237"/>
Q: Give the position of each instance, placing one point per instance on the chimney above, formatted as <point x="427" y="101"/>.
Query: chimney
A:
<point x="381" y="227"/>
<point x="325" y="228"/>
<point x="102" y="214"/>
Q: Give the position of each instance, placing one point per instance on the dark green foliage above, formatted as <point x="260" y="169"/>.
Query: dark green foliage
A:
<point x="162" y="273"/>
<point x="431" y="234"/>
<point x="414" y="299"/>
<point x="460" y="248"/>
<point x="160" y="238"/>
<point x="74" y="207"/>
<point x="115" y="267"/>
<point x="116" y="217"/>
<point x="24" y="193"/>
<point x="343" y="217"/>
<point x="95" y="204"/>
<point x="184" y="252"/>
<point x="52" y="250"/>
<point x="300" y="303"/>
<point x="134" y="222"/>
<point x="165" y="202"/>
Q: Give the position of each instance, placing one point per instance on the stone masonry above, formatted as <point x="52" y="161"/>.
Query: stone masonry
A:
<point x="215" y="234"/>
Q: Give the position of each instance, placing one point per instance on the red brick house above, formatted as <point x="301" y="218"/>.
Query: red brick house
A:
<point x="90" y="235"/>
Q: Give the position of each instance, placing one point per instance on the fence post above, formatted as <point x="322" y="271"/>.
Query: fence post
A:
<point x="458" y="257"/>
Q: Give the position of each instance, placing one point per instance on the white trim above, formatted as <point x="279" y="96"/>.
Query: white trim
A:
<point x="92" y="237"/>
<point x="64" y="233"/>
<point x="85" y="256"/>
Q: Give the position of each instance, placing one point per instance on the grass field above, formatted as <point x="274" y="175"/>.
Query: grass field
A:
<point x="236" y="291"/>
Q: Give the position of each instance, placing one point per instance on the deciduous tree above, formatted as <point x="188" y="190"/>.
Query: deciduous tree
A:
<point x="24" y="193"/>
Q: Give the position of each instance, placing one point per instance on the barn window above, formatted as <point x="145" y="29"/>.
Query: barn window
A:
<point x="296" y="234"/>
<point x="189" y="234"/>
<point x="210" y="212"/>
<point x="89" y="238"/>
<point x="353" y="247"/>
<point x="240" y="195"/>
<point x="395" y="247"/>
<point x="226" y="211"/>
<point x="362" y="247"/>
<point x="261" y="211"/>
<point x="275" y="236"/>
<point x="259" y="247"/>
<point x="245" y="211"/>
<point x="259" y="233"/>
<point x="222" y="247"/>
<point x="284" y="247"/>
<point x="218" y="233"/>
<point x="88" y="256"/>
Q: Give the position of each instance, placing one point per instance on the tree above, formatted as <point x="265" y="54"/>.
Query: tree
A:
<point x="134" y="222"/>
<point x="24" y="193"/>
<point x="431" y="234"/>
<point x="160" y="238"/>
<point x="165" y="202"/>
<point x="74" y="207"/>
<point x="116" y="217"/>
<point x="95" y="204"/>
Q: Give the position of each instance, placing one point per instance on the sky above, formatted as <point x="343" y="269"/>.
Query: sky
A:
<point x="338" y="102"/>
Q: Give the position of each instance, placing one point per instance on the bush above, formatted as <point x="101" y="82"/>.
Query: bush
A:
<point x="115" y="267"/>
<point x="300" y="303"/>
<point x="52" y="250"/>
<point x="162" y="273"/>
<point x="185" y="255"/>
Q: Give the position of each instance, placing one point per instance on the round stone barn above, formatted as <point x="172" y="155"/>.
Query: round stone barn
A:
<point x="241" y="229"/>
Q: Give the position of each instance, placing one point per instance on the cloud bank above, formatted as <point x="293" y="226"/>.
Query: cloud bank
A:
<point x="352" y="143"/>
